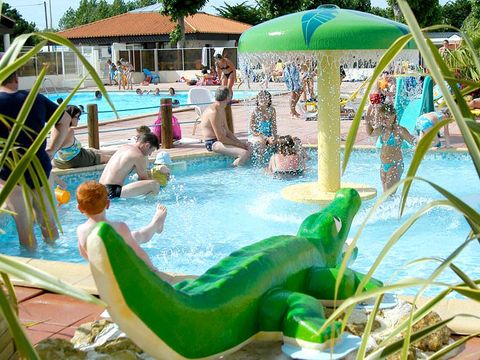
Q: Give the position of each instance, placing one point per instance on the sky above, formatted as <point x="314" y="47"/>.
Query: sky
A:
<point x="33" y="10"/>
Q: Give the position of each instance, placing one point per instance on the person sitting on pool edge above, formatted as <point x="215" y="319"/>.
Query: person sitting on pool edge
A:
<point x="125" y="159"/>
<point x="72" y="154"/>
<point x="93" y="202"/>
<point x="216" y="134"/>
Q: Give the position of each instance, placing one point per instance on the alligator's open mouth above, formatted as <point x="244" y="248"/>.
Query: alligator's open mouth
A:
<point x="338" y="223"/>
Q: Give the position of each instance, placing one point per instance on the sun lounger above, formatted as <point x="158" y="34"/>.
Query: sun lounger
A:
<point x="202" y="97"/>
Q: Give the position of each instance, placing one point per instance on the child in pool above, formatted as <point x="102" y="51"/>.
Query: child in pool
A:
<point x="93" y="203"/>
<point x="286" y="160"/>
<point x="383" y="124"/>
<point x="161" y="171"/>
<point x="141" y="92"/>
<point x="263" y="124"/>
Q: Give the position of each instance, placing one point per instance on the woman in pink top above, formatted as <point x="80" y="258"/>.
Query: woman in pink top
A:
<point x="286" y="159"/>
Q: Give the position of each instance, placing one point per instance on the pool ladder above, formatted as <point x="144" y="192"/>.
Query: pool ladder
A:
<point x="52" y="86"/>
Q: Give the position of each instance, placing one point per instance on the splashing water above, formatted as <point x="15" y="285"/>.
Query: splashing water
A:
<point x="214" y="210"/>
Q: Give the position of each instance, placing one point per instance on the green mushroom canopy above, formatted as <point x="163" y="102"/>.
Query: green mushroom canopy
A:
<point x="326" y="28"/>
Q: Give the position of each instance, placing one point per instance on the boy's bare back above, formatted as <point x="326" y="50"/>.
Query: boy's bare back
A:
<point x="125" y="159"/>
<point x="85" y="229"/>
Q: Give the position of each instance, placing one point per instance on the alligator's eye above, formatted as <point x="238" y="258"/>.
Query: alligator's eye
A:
<point x="338" y="223"/>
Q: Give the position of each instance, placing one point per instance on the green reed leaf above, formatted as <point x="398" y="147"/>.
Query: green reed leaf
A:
<point x="21" y="340"/>
<point x="44" y="280"/>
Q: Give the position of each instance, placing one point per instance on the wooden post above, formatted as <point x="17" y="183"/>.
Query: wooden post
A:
<point x="229" y="117"/>
<point x="167" y="133"/>
<point x="93" y="136"/>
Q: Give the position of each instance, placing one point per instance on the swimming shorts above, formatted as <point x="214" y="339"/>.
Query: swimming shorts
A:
<point x="209" y="144"/>
<point x="86" y="157"/>
<point x="113" y="190"/>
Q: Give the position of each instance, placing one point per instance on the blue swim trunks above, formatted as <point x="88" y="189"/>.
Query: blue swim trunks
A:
<point x="209" y="144"/>
<point x="291" y="76"/>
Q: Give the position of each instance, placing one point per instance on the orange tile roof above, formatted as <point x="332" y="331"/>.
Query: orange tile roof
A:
<point x="153" y="23"/>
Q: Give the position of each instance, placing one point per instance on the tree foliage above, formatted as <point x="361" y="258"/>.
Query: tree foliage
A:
<point x="385" y="13"/>
<point x="455" y="12"/>
<point x="93" y="10"/>
<point x="240" y="12"/>
<point x="471" y="25"/>
<point x="21" y="25"/>
<point x="427" y="12"/>
<point x="181" y="8"/>
<point x="177" y="10"/>
<point x="360" y="5"/>
<point x="271" y="9"/>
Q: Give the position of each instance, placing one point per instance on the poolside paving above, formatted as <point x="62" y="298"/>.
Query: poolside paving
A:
<point x="50" y="315"/>
<point x="305" y="130"/>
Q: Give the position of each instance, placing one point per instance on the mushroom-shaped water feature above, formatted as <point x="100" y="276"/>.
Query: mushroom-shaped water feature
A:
<point x="329" y="35"/>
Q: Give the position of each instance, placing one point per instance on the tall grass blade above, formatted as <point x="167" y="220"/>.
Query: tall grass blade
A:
<point x="55" y="38"/>
<point x="386" y="59"/>
<point x="21" y="340"/>
<point x="441" y="354"/>
<point x="22" y="116"/>
<point x="10" y="291"/>
<point x="43" y="280"/>
<point x="362" y="350"/>
<point x="22" y="164"/>
<point x="397" y="345"/>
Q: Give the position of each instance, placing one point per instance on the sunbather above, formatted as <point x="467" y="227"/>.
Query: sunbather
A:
<point x="71" y="154"/>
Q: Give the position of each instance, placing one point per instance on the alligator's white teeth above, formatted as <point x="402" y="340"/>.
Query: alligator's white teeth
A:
<point x="338" y="223"/>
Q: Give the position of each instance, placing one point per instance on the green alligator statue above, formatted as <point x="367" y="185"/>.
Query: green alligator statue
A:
<point x="268" y="290"/>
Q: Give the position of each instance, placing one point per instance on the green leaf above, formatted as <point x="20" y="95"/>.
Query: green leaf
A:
<point x="386" y="59"/>
<point x="438" y="69"/>
<point x="368" y="328"/>
<point x="21" y="340"/>
<point x="55" y="38"/>
<point x="22" y="116"/>
<point x="11" y="291"/>
<point x="473" y="294"/>
<point x="43" y="280"/>
<point x="9" y="67"/>
<point x="440" y="354"/>
<point x="397" y="345"/>
<point x="22" y="164"/>
<point x="422" y="147"/>
<point x="419" y="313"/>
<point x="353" y="300"/>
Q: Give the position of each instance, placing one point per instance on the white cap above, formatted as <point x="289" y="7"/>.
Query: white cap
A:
<point x="163" y="158"/>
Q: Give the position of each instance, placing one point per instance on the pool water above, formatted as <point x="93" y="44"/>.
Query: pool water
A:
<point x="214" y="210"/>
<point x="128" y="103"/>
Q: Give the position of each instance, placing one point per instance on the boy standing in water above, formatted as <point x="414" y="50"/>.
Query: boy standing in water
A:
<point x="93" y="203"/>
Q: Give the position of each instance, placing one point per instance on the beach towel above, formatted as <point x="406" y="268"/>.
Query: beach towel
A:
<point x="157" y="130"/>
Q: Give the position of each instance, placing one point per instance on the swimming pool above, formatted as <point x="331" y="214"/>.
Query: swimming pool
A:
<point x="127" y="103"/>
<point x="214" y="210"/>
